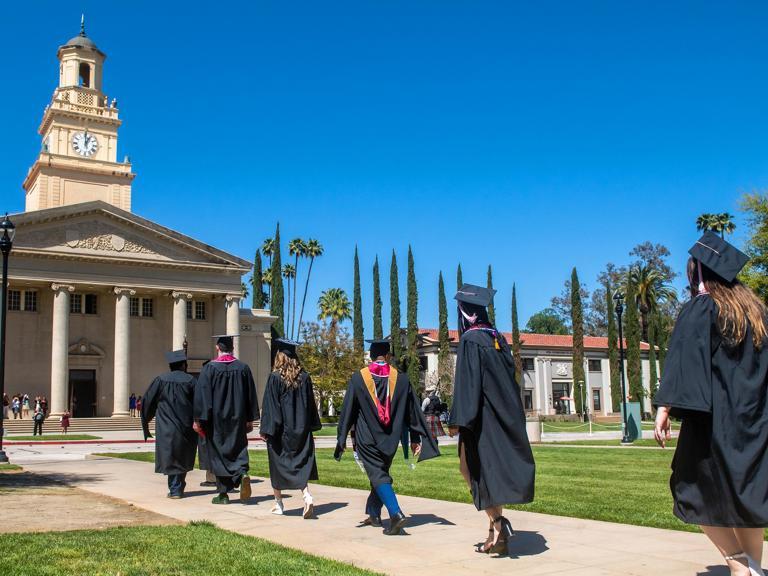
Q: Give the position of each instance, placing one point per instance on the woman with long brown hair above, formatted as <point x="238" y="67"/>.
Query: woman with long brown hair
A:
<point x="715" y="379"/>
<point x="288" y="418"/>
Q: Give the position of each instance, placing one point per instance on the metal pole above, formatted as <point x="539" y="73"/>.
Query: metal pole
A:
<point x="625" y="438"/>
<point x="3" y="310"/>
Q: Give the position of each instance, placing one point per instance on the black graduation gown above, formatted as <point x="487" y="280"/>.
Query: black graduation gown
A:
<point x="288" y="418"/>
<point x="720" y="467"/>
<point x="377" y="444"/>
<point x="489" y="412"/>
<point x="225" y="401"/>
<point x="169" y="400"/>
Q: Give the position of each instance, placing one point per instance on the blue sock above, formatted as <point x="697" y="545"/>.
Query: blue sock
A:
<point x="387" y="495"/>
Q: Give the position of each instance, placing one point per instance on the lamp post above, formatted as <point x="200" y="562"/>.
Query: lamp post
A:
<point x="618" y="298"/>
<point x="8" y="231"/>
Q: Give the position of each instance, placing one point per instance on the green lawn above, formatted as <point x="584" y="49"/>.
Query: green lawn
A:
<point x="197" y="549"/>
<point x="570" y="427"/>
<point x="9" y="467"/>
<point x="618" y="485"/>
<point x="54" y="437"/>
<point x="326" y="431"/>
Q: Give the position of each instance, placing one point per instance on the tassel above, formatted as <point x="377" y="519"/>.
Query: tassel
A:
<point x="496" y="343"/>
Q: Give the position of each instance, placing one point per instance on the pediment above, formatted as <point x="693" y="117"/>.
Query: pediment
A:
<point x="111" y="234"/>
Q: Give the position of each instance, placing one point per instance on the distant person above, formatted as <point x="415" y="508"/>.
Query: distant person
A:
<point x="132" y="405"/>
<point x="494" y="454"/>
<point x="25" y="405"/>
<point x="225" y="408"/>
<point x="139" y="405"/>
<point x="16" y="407"/>
<point x="379" y="403"/>
<point x="38" y="420"/>
<point x="44" y="405"/>
<point x="716" y="380"/>
<point x="64" y="421"/>
<point x="288" y="418"/>
<point x="433" y="408"/>
<point x="169" y="400"/>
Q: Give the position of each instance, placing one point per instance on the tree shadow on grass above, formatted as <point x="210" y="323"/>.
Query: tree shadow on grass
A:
<point x="28" y="480"/>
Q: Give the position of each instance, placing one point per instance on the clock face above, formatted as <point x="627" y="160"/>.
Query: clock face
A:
<point x="85" y="144"/>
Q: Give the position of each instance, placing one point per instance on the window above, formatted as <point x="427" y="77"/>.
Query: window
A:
<point x="14" y="299"/>
<point x="84" y="75"/>
<point x="595" y="366"/>
<point x="76" y="304"/>
<point x="141" y="307"/>
<point x="189" y="309"/>
<point x="528" y="364"/>
<point x="199" y="310"/>
<point x="596" y="400"/>
<point x="528" y="399"/>
<point x="30" y="300"/>
<point x="91" y="304"/>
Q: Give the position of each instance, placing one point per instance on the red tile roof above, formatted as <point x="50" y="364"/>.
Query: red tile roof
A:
<point x="539" y="340"/>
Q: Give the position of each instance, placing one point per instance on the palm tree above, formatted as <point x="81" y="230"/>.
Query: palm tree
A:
<point x="650" y="290"/>
<point x="268" y="249"/>
<point x="725" y="224"/>
<point x="334" y="305"/>
<point x="705" y="222"/>
<point x="297" y="248"/>
<point x="313" y="250"/>
<point x="289" y="272"/>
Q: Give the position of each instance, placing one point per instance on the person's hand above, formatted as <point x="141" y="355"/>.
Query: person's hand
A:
<point x="249" y="427"/>
<point x="452" y="431"/>
<point x="415" y="448"/>
<point x="338" y="452"/>
<point x="662" y="429"/>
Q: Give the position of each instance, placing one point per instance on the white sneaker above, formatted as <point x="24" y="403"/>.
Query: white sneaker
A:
<point x="309" y="507"/>
<point x="278" y="508"/>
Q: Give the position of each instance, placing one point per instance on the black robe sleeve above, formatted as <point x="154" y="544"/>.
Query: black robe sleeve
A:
<point x="314" y="417"/>
<point x="347" y="418"/>
<point x="203" y="402"/>
<point x="149" y="405"/>
<point x="686" y="384"/>
<point x="272" y="415"/>
<point x="252" y="409"/>
<point x="468" y="386"/>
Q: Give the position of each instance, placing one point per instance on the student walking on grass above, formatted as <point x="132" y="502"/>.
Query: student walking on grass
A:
<point x="716" y="380"/>
<point x="288" y="418"/>
<point x="495" y="456"/>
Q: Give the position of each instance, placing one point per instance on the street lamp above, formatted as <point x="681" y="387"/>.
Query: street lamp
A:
<point x="618" y="298"/>
<point x="7" y="232"/>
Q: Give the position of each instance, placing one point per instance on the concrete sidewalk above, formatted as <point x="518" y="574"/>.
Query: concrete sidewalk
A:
<point x="440" y="536"/>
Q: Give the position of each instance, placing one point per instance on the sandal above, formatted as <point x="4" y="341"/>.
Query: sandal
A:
<point x="754" y="567"/>
<point x="484" y="547"/>
<point x="505" y="533"/>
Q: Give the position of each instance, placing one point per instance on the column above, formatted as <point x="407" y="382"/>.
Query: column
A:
<point x="60" y="348"/>
<point x="122" y="380"/>
<point x="232" y="303"/>
<point x="180" y="300"/>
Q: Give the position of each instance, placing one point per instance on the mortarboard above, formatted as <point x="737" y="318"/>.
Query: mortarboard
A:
<point x="722" y="258"/>
<point x="477" y="295"/>
<point x="380" y="347"/>
<point x="286" y="346"/>
<point x="226" y="339"/>
<point x="176" y="356"/>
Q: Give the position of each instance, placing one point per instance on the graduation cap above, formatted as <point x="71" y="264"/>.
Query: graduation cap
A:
<point x="286" y="346"/>
<point x="176" y="356"/>
<point x="226" y="340"/>
<point x="380" y="347"/>
<point x="477" y="295"/>
<point x="722" y="258"/>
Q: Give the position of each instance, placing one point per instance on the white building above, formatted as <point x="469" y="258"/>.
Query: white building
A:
<point x="548" y="370"/>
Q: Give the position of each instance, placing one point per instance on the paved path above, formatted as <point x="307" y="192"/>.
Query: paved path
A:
<point x="439" y="540"/>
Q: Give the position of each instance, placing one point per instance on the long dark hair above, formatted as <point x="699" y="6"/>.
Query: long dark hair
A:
<point x="738" y="307"/>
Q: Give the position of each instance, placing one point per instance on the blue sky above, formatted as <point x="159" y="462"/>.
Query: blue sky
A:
<point x="533" y="136"/>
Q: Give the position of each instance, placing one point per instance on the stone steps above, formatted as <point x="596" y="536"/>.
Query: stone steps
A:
<point x="76" y="425"/>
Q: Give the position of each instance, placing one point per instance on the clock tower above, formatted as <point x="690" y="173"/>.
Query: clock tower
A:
<point x="78" y="155"/>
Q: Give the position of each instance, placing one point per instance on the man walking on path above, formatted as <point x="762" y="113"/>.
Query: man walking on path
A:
<point x="169" y="399"/>
<point x="379" y="403"/>
<point x="225" y="408"/>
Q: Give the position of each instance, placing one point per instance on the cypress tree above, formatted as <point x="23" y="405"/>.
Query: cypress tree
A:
<point x="394" y="310"/>
<point x="378" y="329"/>
<point x="491" y="309"/>
<point x="632" y="330"/>
<point x="444" y="363"/>
<point x="662" y="339"/>
<point x="357" y="314"/>
<point x="276" y="302"/>
<point x="654" y="376"/>
<point x="577" y="322"/>
<point x="257" y="301"/>
<point x="459" y="278"/>
<point x="518" y="359"/>
<point x="412" y="324"/>
<point x="613" y="349"/>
